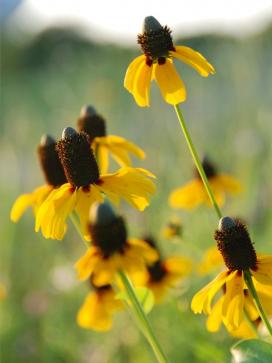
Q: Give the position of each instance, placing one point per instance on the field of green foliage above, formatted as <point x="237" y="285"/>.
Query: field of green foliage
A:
<point x="45" y="82"/>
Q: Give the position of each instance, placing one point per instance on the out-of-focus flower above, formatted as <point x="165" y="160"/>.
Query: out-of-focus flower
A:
<point x="193" y="193"/>
<point x="86" y="186"/>
<point x="104" y="145"/>
<point x="53" y="174"/>
<point x="165" y="273"/>
<point x="157" y="63"/>
<point x="112" y="250"/>
<point x="172" y="229"/>
<point x="234" y="243"/>
<point x="212" y="260"/>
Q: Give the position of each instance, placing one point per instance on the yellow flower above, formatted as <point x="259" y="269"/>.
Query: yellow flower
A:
<point x="98" y="308"/>
<point x="102" y="144"/>
<point x="54" y="176"/>
<point x="86" y="186"/>
<point x="193" y="193"/>
<point x="235" y="245"/>
<point x="112" y="250"/>
<point x="165" y="273"/>
<point x="157" y="64"/>
<point x="172" y="229"/>
<point x="212" y="260"/>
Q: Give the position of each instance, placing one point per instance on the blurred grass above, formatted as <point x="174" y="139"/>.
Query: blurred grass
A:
<point x="45" y="81"/>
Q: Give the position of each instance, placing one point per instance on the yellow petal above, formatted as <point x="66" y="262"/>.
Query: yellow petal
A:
<point x="233" y="305"/>
<point x="169" y="82"/>
<point x="131" y="72"/>
<point x="102" y="158"/>
<point x="142" y="249"/>
<point x="244" y="331"/>
<point x="212" y="260"/>
<point x="188" y="196"/>
<point x="229" y="183"/>
<point x="141" y="85"/>
<point x="263" y="272"/>
<point x="52" y="215"/>
<point x="178" y="265"/>
<point x="202" y="300"/>
<point x="131" y="184"/>
<point x="85" y="265"/>
<point x="193" y="59"/>
<point x="215" y="318"/>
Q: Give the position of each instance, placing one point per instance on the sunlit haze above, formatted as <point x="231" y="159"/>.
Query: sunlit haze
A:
<point x="121" y="20"/>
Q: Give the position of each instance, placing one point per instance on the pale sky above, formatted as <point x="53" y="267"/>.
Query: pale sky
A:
<point x="121" y="20"/>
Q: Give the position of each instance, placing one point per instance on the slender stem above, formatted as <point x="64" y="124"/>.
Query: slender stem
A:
<point x="75" y="222"/>
<point x="142" y="319"/>
<point x="255" y="297"/>
<point x="197" y="161"/>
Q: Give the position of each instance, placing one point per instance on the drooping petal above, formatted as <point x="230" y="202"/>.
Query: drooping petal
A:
<point x="141" y="248"/>
<point x="52" y="215"/>
<point x="244" y="331"/>
<point x="233" y="305"/>
<point x="177" y="265"/>
<point x="188" y="196"/>
<point x="131" y="72"/>
<point x="212" y="259"/>
<point x="102" y="158"/>
<point x="193" y="59"/>
<point x="263" y="272"/>
<point x="169" y="82"/>
<point x="84" y="200"/>
<point x="131" y="184"/>
<point x="202" y="300"/>
<point x="33" y="200"/>
<point x="141" y="85"/>
<point x="85" y="265"/>
<point x="215" y="318"/>
<point x="229" y="183"/>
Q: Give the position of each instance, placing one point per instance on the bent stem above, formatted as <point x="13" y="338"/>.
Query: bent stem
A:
<point x="197" y="161"/>
<point x="255" y="297"/>
<point x="142" y="319"/>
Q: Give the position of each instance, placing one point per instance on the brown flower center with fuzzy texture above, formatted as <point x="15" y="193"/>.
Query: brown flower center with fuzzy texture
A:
<point x="236" y="247"/>
<point x="156" y="271"/>
<point x="156" y="44"/>
<point x="93" y="125"/>
<point x="110" y="238"/>
<point x="51" y="165"/>
<point x="78" y="160"/>
<point x="209" y="169"/>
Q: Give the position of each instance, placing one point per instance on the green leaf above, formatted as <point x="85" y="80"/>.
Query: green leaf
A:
<point x="252" y="351"/>
<point x="144" y="295"/>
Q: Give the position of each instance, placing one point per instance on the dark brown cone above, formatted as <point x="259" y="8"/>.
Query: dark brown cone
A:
<point x="156" y="271"/>
<point x="78" y="160"/>
<point x="236" y="247"/>
<point x="93" y="125"/>
<point x="51" y="165"/>
<point x="109" y="238"/>
<point x="208" y="167"/>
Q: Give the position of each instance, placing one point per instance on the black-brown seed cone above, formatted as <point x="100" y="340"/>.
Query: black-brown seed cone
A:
<point x="236" y="247"/>
<point x="78" y="160"/>
<point x="209" y="168"/>
<point x="110" y="238"/>
<point x="50" y="162"/>
<point x="156" y="44"/>
<point x="94" y="125"/>
<point x="156" y="271"/>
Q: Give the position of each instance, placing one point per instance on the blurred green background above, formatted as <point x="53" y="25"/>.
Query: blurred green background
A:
<point x="46" y="79"/>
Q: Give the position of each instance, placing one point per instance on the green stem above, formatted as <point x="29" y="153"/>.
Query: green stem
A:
<point x="255" y="297"/>
<point x="76" y="224"/>
<point x="142" y="319"/>
<point x="197" y="161"/>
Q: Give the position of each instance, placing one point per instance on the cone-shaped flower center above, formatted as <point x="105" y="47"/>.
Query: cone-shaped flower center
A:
<point x="208" y="167"/>
<point x="91" y="123"/>
<point x="50" y="162"/>
<point x="108" y="231"/>
<point x="235" y="245"/>
<point x="155" y="41"/>
<point x="77" y="158"/>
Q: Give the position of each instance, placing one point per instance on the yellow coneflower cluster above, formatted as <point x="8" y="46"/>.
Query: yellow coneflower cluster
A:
<point x="79" y="185"/>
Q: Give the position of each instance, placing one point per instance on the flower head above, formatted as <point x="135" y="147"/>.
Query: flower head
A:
<point x="98" y="308"/>
<point x="102" y="144"/>
<point x="235" y="245"/>
<point x="193" y="193"/>
<point x="53" y="174"/>
<point x="112" y="250"/>
<point x="157" y="63"/>
<point x="172" y="229"/>
<point x="165" y="273"/>
<point x="86" y="186"/>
